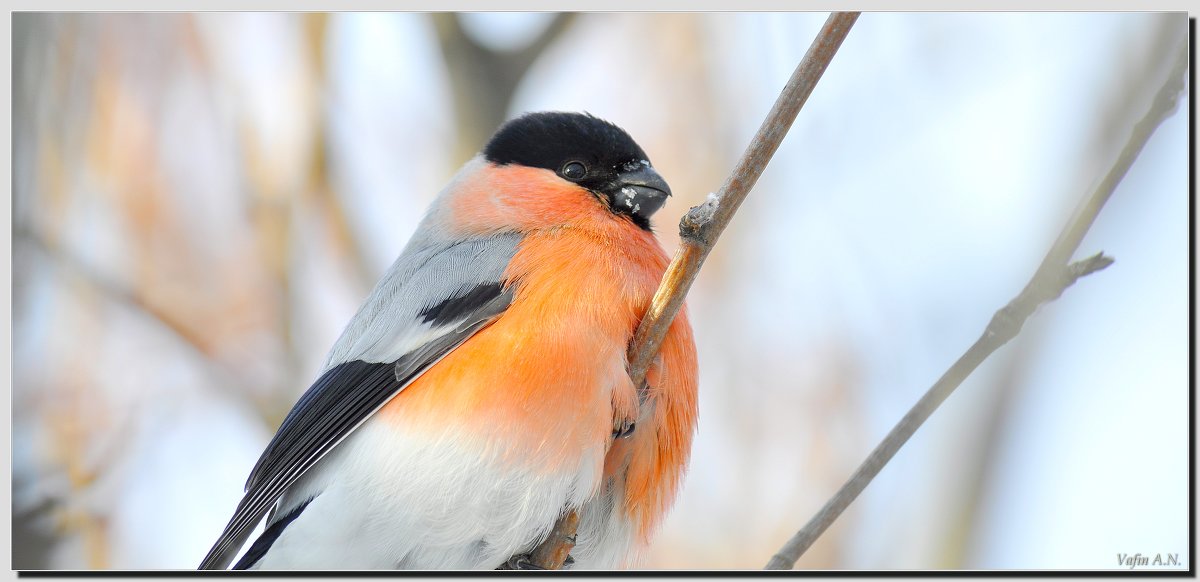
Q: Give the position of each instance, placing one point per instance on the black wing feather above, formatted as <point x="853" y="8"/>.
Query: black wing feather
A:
<point x="260" y="546"/>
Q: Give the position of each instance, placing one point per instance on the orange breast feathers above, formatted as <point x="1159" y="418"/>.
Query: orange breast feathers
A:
<point x="544" y="384"/>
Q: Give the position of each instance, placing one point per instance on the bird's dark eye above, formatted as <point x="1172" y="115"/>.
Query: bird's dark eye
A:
<point x="574" y="171"/>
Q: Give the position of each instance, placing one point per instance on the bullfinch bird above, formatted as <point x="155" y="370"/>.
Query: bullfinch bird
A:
<point x="481" y="390"/>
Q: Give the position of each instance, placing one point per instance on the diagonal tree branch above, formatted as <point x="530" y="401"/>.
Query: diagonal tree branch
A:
<point x="1051" y="279"/>
<point x="699" y="230"/>
<point x="701" y="226"/>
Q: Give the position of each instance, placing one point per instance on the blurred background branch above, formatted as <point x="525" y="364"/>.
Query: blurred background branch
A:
<point x="204" y="352"/>
<point x="484" y="79"/>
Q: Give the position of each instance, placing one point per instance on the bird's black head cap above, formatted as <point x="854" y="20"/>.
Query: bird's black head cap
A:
<point x="587" y="150"/>
<point x="549" y="139"/>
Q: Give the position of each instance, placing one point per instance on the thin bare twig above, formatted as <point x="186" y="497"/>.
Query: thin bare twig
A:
<point x="1051" y="279"/>
<point x="701" y="226"/>
<point x="699" y="230"/>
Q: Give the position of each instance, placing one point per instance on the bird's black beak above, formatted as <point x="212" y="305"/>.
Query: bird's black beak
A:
<point x="638" y="192"/>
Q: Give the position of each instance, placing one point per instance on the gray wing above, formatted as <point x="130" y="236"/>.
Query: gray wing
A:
<point x="432" y="299"/>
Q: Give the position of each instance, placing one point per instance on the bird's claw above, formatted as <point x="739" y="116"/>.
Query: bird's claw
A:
<point x="521" y="562"/>
<point x="525" y="562"/>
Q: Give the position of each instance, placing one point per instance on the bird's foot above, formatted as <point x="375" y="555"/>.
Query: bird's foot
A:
<point x="525" y="562"/>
